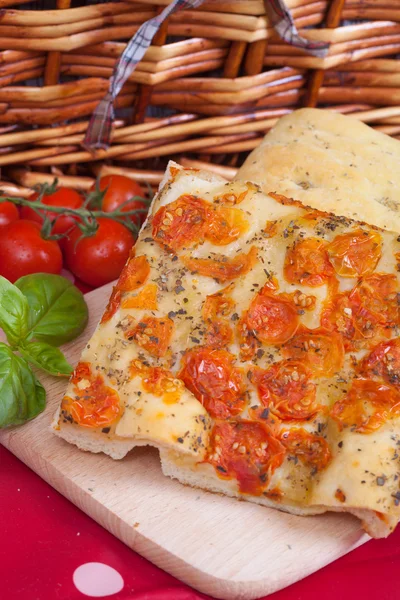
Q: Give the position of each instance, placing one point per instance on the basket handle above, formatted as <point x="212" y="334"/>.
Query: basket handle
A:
<point x="99" y="130"/>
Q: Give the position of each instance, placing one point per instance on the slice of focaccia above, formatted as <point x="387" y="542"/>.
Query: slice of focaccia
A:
<point x="255" y="343"/>
<point x="331" y="162"/>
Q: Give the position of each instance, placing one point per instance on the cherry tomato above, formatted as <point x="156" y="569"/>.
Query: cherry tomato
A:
<point x="99" y="259"/>
<point x="8" y="213"/>
<point x="62" y="197"/>
<point x="366" y="406"/>
<point x="246" y="451"/>
<point x="134" y="274"/>
<point x="181" y="224"/>
<point x="271" y="318"/>
<point x="215" y="313"/>
<point x="145" y="299"/>
<point x="225" y="225"/>
<point x="152" y="334"/>
<point x="94" y="404"/>
<point x="188" y="221"/>
<point x="384" y="362"/>
<point x="211" y="376"/>
<point x="369" y="311"/>
<point x="285" y="389"/>
<point x="112" y="306"/>
<point x="319" y="349"/>
<point x="161" y="382"/>
<point x="378" y="293"/>
<point x="312" y="450"/>
<point x="307" y="263"/>
<point x="221" y="268"/>
<point x="24" y="251"/>
<point x="356" y="253"/>
<point x="158" y="381"/>
<point x="120" y="189"/>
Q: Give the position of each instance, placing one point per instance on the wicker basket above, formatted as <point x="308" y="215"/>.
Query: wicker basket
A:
<point x="214" y="81"/>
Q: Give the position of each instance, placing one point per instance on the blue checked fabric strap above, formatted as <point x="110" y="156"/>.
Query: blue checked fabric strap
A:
<point x="99" y="129"/>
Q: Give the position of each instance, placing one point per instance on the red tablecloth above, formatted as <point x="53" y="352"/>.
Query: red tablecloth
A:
<point x="44" y="539"/>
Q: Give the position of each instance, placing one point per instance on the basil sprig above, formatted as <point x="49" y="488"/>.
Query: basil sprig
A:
<point x="37" y="314"/>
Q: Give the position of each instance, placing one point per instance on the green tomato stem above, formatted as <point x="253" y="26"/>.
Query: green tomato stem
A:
<point x="85" y="217"/>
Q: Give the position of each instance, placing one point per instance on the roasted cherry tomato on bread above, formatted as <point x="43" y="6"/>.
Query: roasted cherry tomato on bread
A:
<point x="8" y="213"/>
<point x="62" y="197"/>
<point x="23" y="251"/>
<point x="99" y="259"/>
<point x="118" y="190"/>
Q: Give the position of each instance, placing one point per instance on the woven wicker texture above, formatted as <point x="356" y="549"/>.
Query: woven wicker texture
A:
<point x="214" y="81"/>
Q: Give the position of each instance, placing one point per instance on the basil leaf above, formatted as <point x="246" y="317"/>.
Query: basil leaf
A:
<point x="46" y="357"/>
<point x="22" y="396"/>
<point x="14" y="311"/>
<point x="58" y="311"/>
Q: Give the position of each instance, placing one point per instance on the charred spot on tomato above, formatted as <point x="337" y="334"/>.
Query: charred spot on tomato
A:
<point x="318" y="349"/>
<point x="383" y="363"/>
<point x="221" y="268"/>
<point x="355" y="254"/>
<point x="275" y="494"/>
<point x="339" y="495"/>
<point x="367" y="405"/>
<point x="312" y="450"/>
<point x="245" y="451"/>
<point x="214" y="380"/>
<point x="94" y="404"/>
<point x="307" y="263"/>
<point x="286" y="390"/>
<point x="180" y="224"/>
<point x="152" y="334"/>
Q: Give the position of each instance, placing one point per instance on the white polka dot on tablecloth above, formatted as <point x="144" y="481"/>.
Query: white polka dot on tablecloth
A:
<point x="97" y="580"/>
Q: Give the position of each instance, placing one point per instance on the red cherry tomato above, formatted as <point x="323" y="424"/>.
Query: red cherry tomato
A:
<point x="311" y="449"/>
<point x="246" y="451"/>
<point x="212" y="377"/>
<point x="8" y="213"/>
<point x="63" y="197"/>
<point x="99" y="259"/>
<point x="120" y="189"/>
<point x="285" y="389"/>
<point x="24" y="251"/>
<point x="94" y="404"/>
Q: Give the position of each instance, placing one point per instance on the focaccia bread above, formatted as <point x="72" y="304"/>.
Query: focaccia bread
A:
<point x="331" y="162"/>
<point x="255" y="343"/>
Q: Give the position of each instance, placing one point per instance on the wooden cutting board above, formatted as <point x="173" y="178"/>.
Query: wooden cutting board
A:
<point x="222" y="547"/>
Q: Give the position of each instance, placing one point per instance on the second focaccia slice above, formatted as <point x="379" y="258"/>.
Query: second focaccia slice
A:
<point x="255" y="343"/>
<point x="331" y="162"/>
